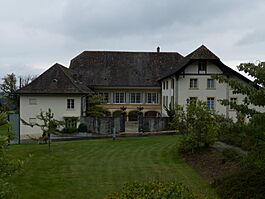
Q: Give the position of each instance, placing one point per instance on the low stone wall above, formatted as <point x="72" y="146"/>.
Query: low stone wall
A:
<point x="152" y="124"/>
<point x="106" y="125"/>
<point x="103" y="125"/>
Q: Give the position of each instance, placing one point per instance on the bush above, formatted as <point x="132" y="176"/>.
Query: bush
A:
<point x="69" y="130"/>
<point x="246" y="183"/>
<point x="82" y="127"/>
<point x="235" y="134"/>
<point x="153" y="190"/>
<point x="198" y="124"/>
<point x="7" y="190"/>
<point x="231" y="155"/>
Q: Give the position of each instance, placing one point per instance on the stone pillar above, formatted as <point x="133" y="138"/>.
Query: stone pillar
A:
<point x="140" y="119"/>
<point x="123" y="119"/>
<point x="140" y="122"/>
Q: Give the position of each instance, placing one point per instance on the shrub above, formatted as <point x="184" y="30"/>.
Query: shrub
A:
<point x="69" y="130"/>
<point x="153" y="190"/>
<point x="246" y="183"/>
<point x="198" y="124"/>
<point x="82" y="127"/>
<point x="231" y="155"/>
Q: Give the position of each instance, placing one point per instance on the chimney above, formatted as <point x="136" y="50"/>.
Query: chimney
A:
<point x="158" y="49"/>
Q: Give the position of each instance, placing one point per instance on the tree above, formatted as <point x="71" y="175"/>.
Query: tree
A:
<point x="93" y="108"/>
<point x="9" y="88"/>
<point x="248" y="180"/>
<point x="198" y="124"/>
<point x="25" y="80"/>
<point x="7" y="166"/>
<point x="254" y="94"/>
<point x="49" y="125"/>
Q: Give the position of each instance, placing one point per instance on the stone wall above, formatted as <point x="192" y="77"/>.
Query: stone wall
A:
<point x="151" y="124"/>
<point x="103" y="125"/>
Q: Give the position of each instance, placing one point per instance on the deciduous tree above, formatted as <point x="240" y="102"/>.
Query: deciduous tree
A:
<point x="48" y="124"/>
<point x="9" y="88"/>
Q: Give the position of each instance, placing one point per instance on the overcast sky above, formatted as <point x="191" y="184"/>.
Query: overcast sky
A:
<point x="36" y="34"/>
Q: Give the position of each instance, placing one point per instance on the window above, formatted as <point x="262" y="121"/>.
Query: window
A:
<point x="210" y="83"/>
<point x="233" y="100"/>
<point x="151" y="98"/>
<point x="166" y="84"/>
<point x="193" y="100"/>
<point x="172" y="101"/>
<point x="210" y="103"/>
<point x="118" y="98"/>
<point x="164" y="100"/>
<point x="70" y="103"/>
<point x="202" y="67"/>
<point x="32" y="101"/>
<point x="32" y="121"/>
<point x="172" y="83"/>
<point x="135" y="98"/>
<point x="71" y="122"/>
<point x="193" y="83"/>
<point x="105" y="97"/>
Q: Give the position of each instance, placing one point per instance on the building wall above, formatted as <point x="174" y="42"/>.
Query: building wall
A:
<point x="182" y="90"/>
<point x="57" y="104"/>
<point x="113" y="107"/>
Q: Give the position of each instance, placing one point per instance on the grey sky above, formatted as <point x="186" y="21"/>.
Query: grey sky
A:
<point x="35" y="34"/>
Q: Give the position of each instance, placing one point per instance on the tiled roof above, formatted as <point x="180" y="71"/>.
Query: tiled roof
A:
<point x="56" y="80"/>
<point x="202" y="53"/>
<point x="124" y="69"/>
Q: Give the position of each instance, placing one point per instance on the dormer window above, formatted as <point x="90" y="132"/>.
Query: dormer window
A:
<point x="202" y="67"/>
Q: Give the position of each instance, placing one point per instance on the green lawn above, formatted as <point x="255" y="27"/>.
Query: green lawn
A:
<point x="95" y="168"/>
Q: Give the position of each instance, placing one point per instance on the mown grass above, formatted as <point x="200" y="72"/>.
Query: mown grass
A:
<point x="95" y="168"/>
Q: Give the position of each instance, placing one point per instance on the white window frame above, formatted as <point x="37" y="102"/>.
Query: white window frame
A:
<point x="70" y="104"/>
<point x="193" y="100"/>
<point x="118" y="96"/>
<point x="193" y="85"/>
<point x="151" y="98"/>
<point x="210" y="85"/>
<point x="211" y="103"/>
<point x="234" y="101"/>
<point x="202" y="67"/>
<point x="135" y="98"/>
<point x="71" y="122"/>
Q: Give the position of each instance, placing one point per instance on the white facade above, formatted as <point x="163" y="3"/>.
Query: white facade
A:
<point x="32" y="105"/>
<point x="183" y="90"/>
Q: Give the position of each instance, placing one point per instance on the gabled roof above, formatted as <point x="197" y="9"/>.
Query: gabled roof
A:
<point x="203" y="53"/>
<point x="56" y="80"/>
<point x="124" y="69"/>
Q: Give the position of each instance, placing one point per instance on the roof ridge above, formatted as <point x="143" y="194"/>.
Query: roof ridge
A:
<point x="37" y="77"/>
<point x="201" y="52"/>
<point x="69" y="77"/>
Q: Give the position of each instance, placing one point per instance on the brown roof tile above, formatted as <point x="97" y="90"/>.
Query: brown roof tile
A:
<point x="114" y="68"/>
<point x="56" y="80"/>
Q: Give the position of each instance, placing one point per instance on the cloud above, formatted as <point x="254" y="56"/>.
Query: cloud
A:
<point x="35" y="34"/>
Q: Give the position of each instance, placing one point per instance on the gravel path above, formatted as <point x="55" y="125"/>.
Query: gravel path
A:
<point x="221" y="146"/>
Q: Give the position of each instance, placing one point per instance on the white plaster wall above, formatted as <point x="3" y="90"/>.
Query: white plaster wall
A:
<point x="211" y="68"/>
<point x="167" y="92"/>
<point x="57" y="104"/>
<point x="185" y="92"/>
